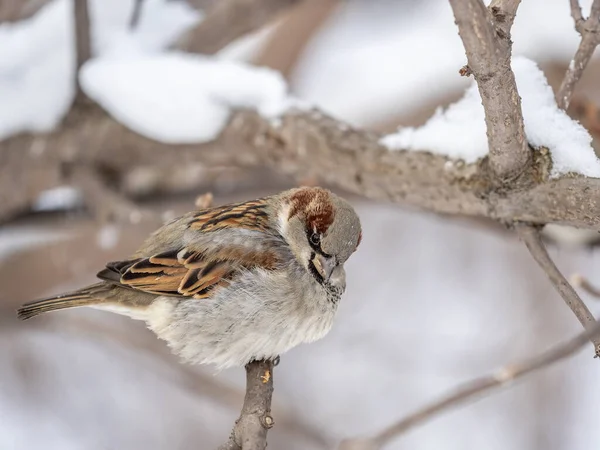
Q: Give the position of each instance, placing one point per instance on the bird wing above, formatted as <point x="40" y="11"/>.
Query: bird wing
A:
<point x="250" y="215"/>
<point x="193" y="272"/>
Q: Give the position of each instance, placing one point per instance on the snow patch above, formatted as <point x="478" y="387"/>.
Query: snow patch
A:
<point x="179" y="98"/>
<point x="108" y="237"/>
<point x="58" y="199"/>
<point x="374" y="62"/>
<point x="459" y="131"/>
<point x="37" y="55"/>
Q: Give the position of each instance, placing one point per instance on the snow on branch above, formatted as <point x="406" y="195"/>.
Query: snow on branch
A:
<point x="179" y="98"/>
<point x="487" y="43"/>
<point x="459" y="132"/>
<point x="485" y="34"/>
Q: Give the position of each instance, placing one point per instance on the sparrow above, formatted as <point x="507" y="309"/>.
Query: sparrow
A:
<point x="234" y="283"/>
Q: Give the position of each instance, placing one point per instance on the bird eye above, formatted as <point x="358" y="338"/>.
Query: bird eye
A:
<point x="315" y="238"/>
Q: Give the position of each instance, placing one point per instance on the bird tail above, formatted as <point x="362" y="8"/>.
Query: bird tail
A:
<point x="84" y="297"/>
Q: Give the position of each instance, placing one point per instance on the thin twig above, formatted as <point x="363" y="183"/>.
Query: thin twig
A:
<point x="136" y="14"/>
<point x="486" y="38"/>
<point x="577" y="15"/>
<point x="533" y="240"/>
<point x="250" y="430"/>
<point x="83" y="43"/>
<point x="581" y="282"/>
<point x="229" y="20"/>
<point x="475" y="388"/>
<point x="107" y="204"/>
<point x="590" y="38"/>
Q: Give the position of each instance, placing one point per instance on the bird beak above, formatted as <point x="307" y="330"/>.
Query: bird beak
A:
<point x="324" y="266"/>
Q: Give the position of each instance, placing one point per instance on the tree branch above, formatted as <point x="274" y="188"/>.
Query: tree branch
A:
<point x="473" y="389"/>
<point x="590" y="38"/>
<point x="106" y="204"/>
<point x="577" y="15"/>
<point x="504" y="13"/>
<point x="136" y="13"/>
<point x="536" y="247"/>
<point x="303" y="144"/>
<point x="486" y="37"/>
<point x="229" y="20"/>
<point x="583" y="283"/>
<point x="250" y="430"/>
<point x="82" y="42"/>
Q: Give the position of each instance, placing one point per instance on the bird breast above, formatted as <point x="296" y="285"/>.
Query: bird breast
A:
<point x="261" y="314"/>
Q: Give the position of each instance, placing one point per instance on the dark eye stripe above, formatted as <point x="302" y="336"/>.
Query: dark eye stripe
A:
<point x="316" y="247"/>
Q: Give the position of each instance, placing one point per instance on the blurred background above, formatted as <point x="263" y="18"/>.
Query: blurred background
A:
<point x="432" y="301"/>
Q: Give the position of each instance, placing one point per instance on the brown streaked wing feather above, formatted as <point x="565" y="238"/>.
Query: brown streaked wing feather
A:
<point x="251" y="215"/>
<point x="185" y="273"/>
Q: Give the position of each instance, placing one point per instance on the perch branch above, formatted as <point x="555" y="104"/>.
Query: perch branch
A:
<point x="83" y="43"/>
<point x="536" y="247"/>
<point x="250" y="430"/>
<point x="590" y="38"/>
<point x="476" y="388"/>
<point x="229" y="20"/>
<point x="486" y="38"/>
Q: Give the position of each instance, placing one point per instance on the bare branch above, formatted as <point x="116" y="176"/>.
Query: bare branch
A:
<point x="303" y="144"/>
<point x="108" y="205"/>
<point x="17" y="10"/>
<point x="82" y="42"/>
<point x="536" y="247"/>
<point x="581" y="282"/>
<point x="486" y="37"/>
<point x="250" y="430"/>
<point x="577" y="15"/>
<point x="229" y="20"/>
<point x="474" y="389"/>
<point x="504" y="13"/>
<point x="590" y="38"/>
<point x="136" y="13"/>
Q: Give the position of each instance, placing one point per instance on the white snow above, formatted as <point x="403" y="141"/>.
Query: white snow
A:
<point x="108" y="236"/>
<point x="16" y="238"/>
<point x="459" y="131"/>
<point x="37" y="57"/>
<point x="181" y="98"/>
<point x="59" y="198"/>
<point x="171" y="97"/>
<point x="375" y="61"/>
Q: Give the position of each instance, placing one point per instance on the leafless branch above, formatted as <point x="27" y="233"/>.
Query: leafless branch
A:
<point x="474" y="389"/>
<point x="108" y="205"/>
<point x="16" y="10"/>
<point x="82" y="41"/>
<point x="590" y="38"/>
<point x="304" y="144"/>
<point x="250" y="430"/>
<point x="486" y="37"/>
<point x="504" y="13"/>
<point x="136" y="13"/>
<point x="536" y="247"/>
<point x="577" y="15"/>
<point x="228" y="20"/>
<point x="583" y="283"/>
